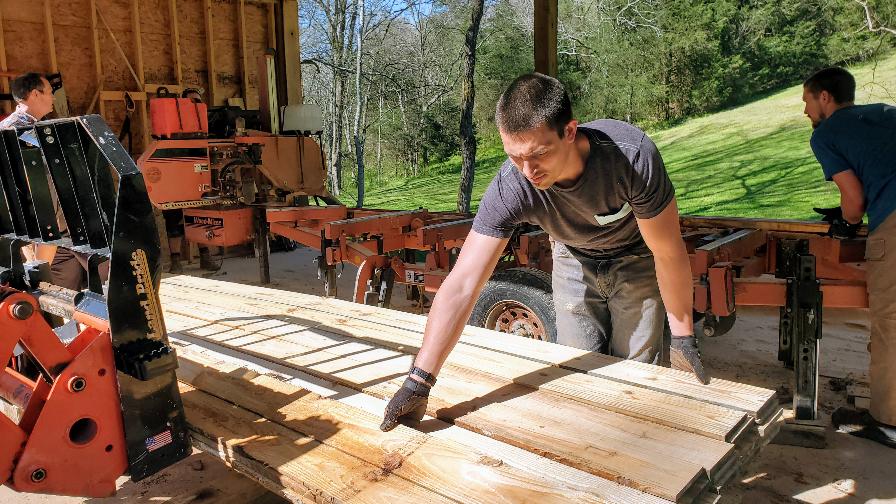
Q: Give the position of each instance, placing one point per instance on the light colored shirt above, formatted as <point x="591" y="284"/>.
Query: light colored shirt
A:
<point x="18" y="119"/>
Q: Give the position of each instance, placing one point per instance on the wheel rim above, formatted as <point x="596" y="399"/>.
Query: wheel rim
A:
<point x="515" y="318"/>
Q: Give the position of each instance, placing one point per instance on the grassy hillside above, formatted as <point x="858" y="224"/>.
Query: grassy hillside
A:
<point x="750" y="161"/>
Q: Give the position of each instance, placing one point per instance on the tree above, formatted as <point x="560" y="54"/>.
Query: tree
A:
<point x="871" y="19"/>
<point x="467" y="133"/>
<point x="359" y="105"/>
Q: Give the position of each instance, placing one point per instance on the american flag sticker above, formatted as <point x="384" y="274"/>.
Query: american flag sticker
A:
<point x="161" y="439"/>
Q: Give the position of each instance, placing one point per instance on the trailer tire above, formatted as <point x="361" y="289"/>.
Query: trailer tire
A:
<point x="517" y="301"/>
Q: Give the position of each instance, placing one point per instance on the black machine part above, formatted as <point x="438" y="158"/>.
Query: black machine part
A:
<point x="799" y="330"/>
<point x="77" y="165"/>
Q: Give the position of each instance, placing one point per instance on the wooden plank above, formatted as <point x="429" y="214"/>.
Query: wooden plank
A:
<point x="534" y="466"/>
<point x="640" y="454"/>
<point x="51" y="37"/>
<point x="244" y="55"/>
<point x="782" y="225"/>
<point x="428" y="462"/>
<point x="141" y="76"/>
<point x="175" y="41"/>
<point x="210" y="55"/>
<point x="681" y="413"/>
<point x="291" y="52"/>
<point x="120" y="50"/>
<point x="138" y="96"/>
<point x="758" y="402"/>
<point x="283" y="458"/>
<point x="272" y="27"/>
<point x="154" y="88"/>
<point x="545" y="36"/>
<point x="97" y="58"/>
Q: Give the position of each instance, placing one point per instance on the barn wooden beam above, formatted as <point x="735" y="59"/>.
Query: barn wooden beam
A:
<point x="141" y="76"/>
<point x="210" y="55"/>
<point x="272" y="27"/>
<point x="244" y="54"/>
<point x="289" y="52"/>
<point x="175" y="41"/>
<point x="98" y="61"/>
<point x="51" y="37"/>
<point x="545" y="22"/>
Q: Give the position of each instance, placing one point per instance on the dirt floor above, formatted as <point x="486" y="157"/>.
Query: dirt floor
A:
<point x="849" y="470"/>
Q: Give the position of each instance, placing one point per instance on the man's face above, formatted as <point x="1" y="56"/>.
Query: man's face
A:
<point x="540" y="154"/>
<point x="816" y="105"/>
<point x="40" y="101"/>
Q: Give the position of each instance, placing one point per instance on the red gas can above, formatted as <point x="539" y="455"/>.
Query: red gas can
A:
<point x="177" y="117"/>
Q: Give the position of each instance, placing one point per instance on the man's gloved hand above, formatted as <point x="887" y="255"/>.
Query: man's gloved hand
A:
<point x="407" y="406"/>
<point x="685" y="356"/>
<point x="840" y="228"/>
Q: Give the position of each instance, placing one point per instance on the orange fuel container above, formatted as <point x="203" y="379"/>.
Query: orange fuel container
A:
<point x="178" y="118"/>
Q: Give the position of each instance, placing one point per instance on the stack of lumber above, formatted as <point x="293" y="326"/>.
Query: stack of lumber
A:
<point x="515" y="420"/>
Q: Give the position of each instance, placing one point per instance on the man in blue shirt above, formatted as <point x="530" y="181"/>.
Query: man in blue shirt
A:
<point x="856" y="147"/>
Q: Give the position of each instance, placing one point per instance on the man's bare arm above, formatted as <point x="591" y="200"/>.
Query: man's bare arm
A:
<point x="673" y="269"/>
<point x="456" y="297"/>
<point x="852" y="196"/>
<point x="450" y="311"/>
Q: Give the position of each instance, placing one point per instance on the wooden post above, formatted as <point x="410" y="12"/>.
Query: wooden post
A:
<point x="545" y="22"/>
<point x="4" y="81"/>
<point x="96" y="56"/>
<point x="244" y="55"/>
<point x="272" y="27"/>
<point x="141" y="76"/>
<point x="290" y="52"/>
<point x="210" y="55"/>
<point x="51" y="38"/>
<point x="175" y="42"/>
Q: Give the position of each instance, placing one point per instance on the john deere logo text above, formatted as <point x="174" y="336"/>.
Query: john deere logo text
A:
<point x="146" y="293"/>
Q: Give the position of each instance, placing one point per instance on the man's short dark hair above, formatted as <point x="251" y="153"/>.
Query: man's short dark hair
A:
<point x="23" y="85"/>
<point x="835" y="80"/>
<point x="533" y="100"/>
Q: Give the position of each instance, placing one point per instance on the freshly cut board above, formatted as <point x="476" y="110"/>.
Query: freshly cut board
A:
<point x="658" y="441"/>
<point x="755" y="401"/>
<point x="401" y="454"/>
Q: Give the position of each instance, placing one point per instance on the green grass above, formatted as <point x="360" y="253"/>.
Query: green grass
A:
<point x="749" y="161"/>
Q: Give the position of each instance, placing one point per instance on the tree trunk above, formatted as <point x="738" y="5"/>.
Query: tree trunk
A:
<point x="379" y="140"/>
<point x="358" y="133"/>
<point x="467" y="134"/>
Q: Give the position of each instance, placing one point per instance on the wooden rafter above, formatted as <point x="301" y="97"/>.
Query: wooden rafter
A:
<point x="175" y="41"/>
<point x="272" y="27"/>
<point x="545" y="24"/>
<point x="210" y="54"/>
<point x="141" y="76"/>
<point x="98" y="61"/>
<point x="244" y="53"/>
<point x="51" y="37"/>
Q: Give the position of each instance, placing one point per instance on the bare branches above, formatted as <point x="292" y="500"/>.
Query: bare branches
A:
<point x="871" y="22"/>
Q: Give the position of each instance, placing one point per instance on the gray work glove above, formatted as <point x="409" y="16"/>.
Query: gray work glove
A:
<point x="840" y="228"/>
<point x="685" y="356"/>
<point x="407" y="406"/>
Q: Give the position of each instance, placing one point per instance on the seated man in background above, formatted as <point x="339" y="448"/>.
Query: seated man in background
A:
<point x="34" y="100"/>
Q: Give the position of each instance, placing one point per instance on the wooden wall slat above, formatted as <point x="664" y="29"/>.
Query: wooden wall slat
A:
<point x="90" y="62"/>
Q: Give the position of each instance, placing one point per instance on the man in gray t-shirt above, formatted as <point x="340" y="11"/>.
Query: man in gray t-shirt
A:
<point x="601" y="192"/>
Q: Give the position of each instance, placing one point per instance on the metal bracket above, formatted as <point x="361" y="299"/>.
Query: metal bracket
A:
<point x="800" y="325"/>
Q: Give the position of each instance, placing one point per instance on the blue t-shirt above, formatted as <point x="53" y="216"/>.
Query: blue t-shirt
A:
<point x="862" y="138"/>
